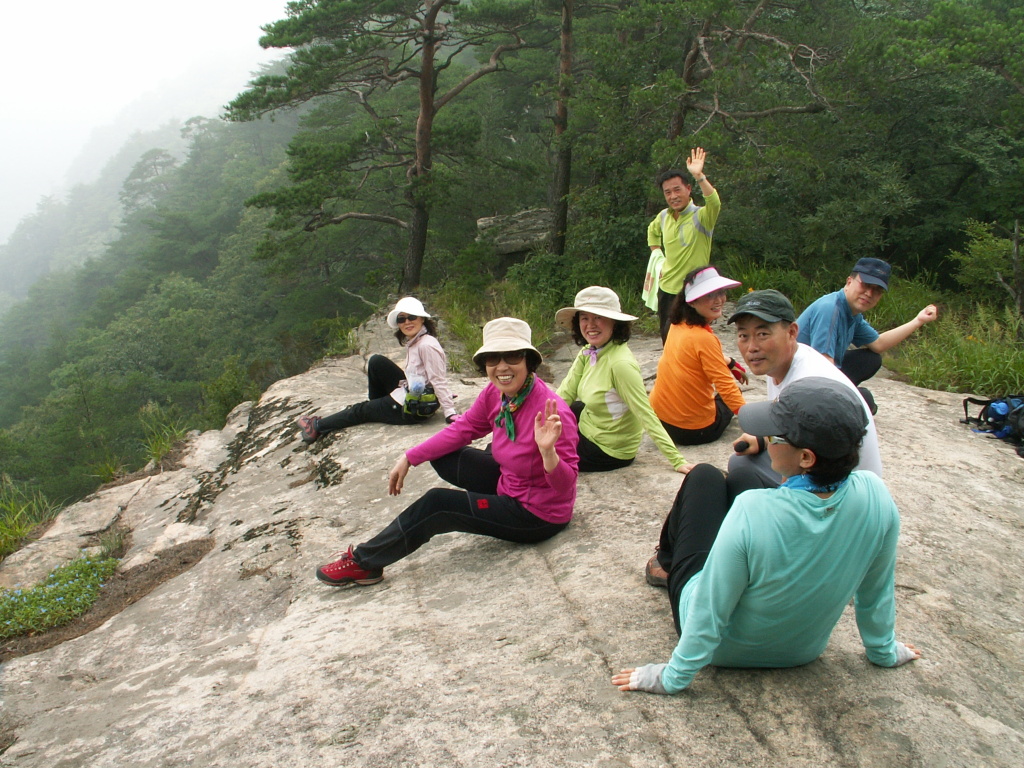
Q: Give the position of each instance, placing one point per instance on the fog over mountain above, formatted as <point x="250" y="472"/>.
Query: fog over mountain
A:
<point x="76" y="156"/>
<point x="108" y="69"/>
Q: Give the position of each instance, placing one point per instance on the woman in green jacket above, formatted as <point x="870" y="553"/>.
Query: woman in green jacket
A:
<point x="605" y="388"/>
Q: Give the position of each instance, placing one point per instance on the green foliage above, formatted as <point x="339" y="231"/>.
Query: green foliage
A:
<point x="987" y="34"/>
<point x="20" y="512"/>
<point x="758" y="276"/>
<point x="976" y="351"/>
<point x="65" y="594"/>
<point x="388" y="80"/>
<point x="222" y="394"/>
<point x="985" y="265"/>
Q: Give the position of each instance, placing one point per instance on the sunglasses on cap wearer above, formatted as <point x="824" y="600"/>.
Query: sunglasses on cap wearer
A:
<point x="776" y="439"/>
<point x="406" y="318"/>
<point x="491" y="359"/>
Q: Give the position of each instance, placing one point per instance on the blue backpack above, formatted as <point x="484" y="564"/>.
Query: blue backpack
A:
<point x="1001" y="418"/>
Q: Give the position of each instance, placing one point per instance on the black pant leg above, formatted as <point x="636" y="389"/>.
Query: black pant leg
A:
<point x="383" y="410"/>
<point x="691" y="528"/>
<point x="382" y="376"/>
<point x="860" y="364"/>
<point x="706" y="435"/>
<point x="592" y="457"/>
<point x="469" y="468"/>
<point x="442" y="510"/>
<point x="665" y="301"/>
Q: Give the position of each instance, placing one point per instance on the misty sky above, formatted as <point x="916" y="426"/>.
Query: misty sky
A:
<point x="73" y="66"/>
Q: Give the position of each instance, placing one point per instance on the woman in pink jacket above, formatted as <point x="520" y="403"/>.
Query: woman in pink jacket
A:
<point x="426" y="366"/>
<point x="521" y="489"/>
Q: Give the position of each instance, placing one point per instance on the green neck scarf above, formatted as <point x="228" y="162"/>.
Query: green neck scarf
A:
<point x="510" y="406"/>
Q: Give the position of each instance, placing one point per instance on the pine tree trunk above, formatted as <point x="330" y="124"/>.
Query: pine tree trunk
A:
<point x="563" y="160"/>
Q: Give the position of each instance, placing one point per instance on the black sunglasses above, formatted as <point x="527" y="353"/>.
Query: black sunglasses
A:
<point x="406" y="318"/>
<point x="491" y="359"/>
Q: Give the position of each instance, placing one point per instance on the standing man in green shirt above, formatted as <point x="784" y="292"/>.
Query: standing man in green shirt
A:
<point x="682" y="231"/>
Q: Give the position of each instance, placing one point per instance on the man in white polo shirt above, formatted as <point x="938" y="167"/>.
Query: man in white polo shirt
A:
<point x="766" y="333"/>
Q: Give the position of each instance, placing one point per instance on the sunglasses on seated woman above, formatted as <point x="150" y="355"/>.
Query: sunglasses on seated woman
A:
<point x="406" y="318"/>
<point x="491" y="359"/>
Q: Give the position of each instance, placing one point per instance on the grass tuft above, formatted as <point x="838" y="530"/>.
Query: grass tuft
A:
<point x="20" y="513"/>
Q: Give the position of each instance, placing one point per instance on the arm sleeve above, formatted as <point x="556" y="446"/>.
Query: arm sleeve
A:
<point x="712" y="360"/>
<point x="875" y="600"/>
<point x="629" y="383"/>
<point x="654" y="232"/>
<point x="820" y="328"/>
<point x="568" y="390"/>
<point x="474" y="424"/>
<point x="435" y="366"/>
<point x="864" y="333"/>
<point x="708" y="214"/>
<point x="715" y="596"/>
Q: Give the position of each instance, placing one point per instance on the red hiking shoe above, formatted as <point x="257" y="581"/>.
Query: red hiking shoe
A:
<point x="346" y="571"/>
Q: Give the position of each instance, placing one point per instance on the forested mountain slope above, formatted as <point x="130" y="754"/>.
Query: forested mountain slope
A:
<point x="239" y="251"/>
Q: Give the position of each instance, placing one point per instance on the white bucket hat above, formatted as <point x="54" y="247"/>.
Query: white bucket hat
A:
<point x="708" y="281"/>
<point x="597" y="301"/>
<point x="506" y="334"/>
<point x="409" y="306"/>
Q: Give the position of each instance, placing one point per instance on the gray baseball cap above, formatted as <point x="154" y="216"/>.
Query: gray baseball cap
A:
<point x="768" y="305"/>
<point x="817" y="413"/>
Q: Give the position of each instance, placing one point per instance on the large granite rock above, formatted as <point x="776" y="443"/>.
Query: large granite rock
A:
<point x="475" y="652"/>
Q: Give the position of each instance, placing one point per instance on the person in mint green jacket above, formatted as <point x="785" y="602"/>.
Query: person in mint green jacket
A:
<point x="605" y="389"/>
<point x="760" y="580"/>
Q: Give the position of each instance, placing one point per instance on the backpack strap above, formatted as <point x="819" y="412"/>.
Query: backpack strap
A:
<point x="979" y="419"/>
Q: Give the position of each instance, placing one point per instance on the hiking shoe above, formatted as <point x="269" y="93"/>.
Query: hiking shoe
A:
<point x="869" y="399"/>
<point x="346" y="571"/>
<point x="308" y="426"/>
<point x="656" y="575"/>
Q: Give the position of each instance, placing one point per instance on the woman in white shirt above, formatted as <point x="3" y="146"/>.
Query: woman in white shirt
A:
<point x="396" y="396"/>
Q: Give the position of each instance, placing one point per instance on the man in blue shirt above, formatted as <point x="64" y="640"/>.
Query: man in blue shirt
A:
<point x="836" y="320"/>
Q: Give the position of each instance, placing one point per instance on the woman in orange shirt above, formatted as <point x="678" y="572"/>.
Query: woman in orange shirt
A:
<point x="696" y="394"/>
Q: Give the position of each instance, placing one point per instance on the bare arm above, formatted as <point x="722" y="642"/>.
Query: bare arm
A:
<point x="894" y="336"/>
<point x="396" y="477"/>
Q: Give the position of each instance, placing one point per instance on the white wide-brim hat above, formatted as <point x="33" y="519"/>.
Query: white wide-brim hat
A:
<point x="408" y="305"/>
<point x="597" y="301"/>
<point x="506" y="334"/>
<point x="708" y="281"/>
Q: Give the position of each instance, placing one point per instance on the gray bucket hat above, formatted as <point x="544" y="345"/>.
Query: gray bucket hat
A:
<point x="822" y="414"/>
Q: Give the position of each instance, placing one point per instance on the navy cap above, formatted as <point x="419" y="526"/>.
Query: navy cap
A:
<point x="873" y="272"/>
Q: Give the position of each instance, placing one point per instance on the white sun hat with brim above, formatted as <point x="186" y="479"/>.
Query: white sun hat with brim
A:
<point x="708" y="281"/>
<point x="506" y="334"/>
<point x="408" y="305"/>
<point x="597" y="301"/>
